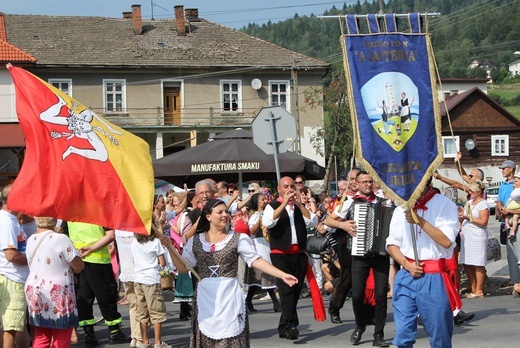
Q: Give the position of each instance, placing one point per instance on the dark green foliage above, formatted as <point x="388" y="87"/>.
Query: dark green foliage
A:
<point x="467" y="29"/>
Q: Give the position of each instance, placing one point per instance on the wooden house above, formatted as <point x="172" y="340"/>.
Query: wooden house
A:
<point x="483" y="131"/>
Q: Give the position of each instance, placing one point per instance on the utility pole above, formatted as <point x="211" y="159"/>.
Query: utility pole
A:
<point x="295" y="104"/>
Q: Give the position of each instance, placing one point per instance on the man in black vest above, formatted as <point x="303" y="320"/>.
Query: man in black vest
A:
<point x="287" y="220"/>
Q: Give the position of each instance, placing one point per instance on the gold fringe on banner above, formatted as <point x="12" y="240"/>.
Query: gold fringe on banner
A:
<point x="357" y="147"/>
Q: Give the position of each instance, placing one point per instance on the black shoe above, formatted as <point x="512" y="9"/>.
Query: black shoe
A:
<point x="90" y="336"/>
<point x="335" y="319"/>
<point x="277" y="309"/>
<point x="184" y="317"/>
<point x="292" y="333"/>
<point x="462" y="317"/>
<point x="334" y="316"/>
<point x="356" y="335"/>
<point x="379" y="341"/>
<point x="119" y="337"/>
<point x="250" y="308"/>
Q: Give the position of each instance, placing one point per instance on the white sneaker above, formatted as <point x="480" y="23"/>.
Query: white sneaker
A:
<point x="162" y="345"/>
<point x="142" y="345"/>
<point x="133" y="342"/>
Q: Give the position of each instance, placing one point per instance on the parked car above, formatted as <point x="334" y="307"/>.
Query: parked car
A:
<point x="491" y="197"/>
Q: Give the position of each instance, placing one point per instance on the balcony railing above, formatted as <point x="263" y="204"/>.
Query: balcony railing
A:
<point x="143" y="117"/>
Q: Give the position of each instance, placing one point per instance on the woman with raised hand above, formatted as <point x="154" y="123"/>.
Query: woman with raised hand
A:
<point x="219" y="313"/>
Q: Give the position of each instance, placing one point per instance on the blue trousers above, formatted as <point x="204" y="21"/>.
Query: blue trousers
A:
<point x="425" y="296"/>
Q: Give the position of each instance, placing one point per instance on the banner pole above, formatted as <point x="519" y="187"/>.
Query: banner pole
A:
<point x="382" y="15"/>
<point x="414" y="240"/>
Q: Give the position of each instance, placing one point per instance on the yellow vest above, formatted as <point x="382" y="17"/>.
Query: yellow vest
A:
<point x="82" y="234"/>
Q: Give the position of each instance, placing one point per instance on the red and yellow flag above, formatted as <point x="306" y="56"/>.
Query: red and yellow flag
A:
<point x="78" y="166"/>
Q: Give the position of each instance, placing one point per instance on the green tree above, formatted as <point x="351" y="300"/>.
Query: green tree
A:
<point x="334" y="138"/>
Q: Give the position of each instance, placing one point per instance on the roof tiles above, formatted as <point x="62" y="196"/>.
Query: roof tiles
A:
<point x="102" y="41"/>
<point x="9" y="52"/>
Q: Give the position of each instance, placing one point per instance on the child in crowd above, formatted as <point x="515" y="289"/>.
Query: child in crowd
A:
<point x="511" y="220"/>
<point x="146" y="251"/>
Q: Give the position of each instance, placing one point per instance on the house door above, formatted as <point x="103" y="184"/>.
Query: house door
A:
<point x="172" y="107"/>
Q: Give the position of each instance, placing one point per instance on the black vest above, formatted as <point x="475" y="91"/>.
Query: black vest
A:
<point x="280" y="235"/>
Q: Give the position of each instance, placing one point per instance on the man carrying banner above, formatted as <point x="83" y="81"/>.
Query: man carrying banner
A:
<point x="424" y="288"/>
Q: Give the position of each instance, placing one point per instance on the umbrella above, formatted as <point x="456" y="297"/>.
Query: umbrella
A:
<point x="232" y="156"/>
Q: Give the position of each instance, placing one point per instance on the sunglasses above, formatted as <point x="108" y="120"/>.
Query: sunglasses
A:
<point x="366" y="182"/>
<point x="298" y="182"/>
<point x="231" y="191"/>
<point x="250" y="191"/>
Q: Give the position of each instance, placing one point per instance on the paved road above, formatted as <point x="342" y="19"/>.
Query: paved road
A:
<point x="495" y="325"/>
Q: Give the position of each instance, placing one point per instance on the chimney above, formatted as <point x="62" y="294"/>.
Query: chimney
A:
<point x="192" y="14"/>
<point x="180" y="22"/>
<point x="127" y="15"/>
<point x="138" y="21"/>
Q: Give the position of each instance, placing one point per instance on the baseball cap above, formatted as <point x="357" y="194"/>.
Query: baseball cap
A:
<point x="508" y="163"/>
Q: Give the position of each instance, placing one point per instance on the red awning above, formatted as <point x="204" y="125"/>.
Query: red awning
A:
<point x="11" y="135"/>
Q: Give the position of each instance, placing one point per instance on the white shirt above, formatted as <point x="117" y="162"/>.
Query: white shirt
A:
<point x="441" y="213"/>
<point x="245" y="247"/>
<point x="146" y="263"/>
<point x="12" y="236"/>
<point x="124" y="241"/>
<point x="269" y="222"/>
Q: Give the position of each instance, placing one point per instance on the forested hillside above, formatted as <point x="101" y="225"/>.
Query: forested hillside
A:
<point x="482" y="29"/>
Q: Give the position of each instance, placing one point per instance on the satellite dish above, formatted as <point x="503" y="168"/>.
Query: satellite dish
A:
<point x="256" y="84"/>
<point x="470" y="144"/>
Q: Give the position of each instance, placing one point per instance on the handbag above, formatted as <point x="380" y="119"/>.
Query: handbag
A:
<point x="493" y="249"/>
<point x="317" y="244"/>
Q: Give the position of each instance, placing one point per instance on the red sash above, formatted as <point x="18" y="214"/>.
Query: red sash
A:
<point x="439" y="266"/>
<point x="293" y="249"/>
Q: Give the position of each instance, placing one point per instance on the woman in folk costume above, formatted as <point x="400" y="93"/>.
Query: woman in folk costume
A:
<point x="219" y="313"/>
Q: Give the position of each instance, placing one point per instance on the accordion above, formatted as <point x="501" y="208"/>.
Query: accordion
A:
<point x="373" y="223"/>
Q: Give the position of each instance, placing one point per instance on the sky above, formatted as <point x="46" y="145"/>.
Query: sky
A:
<point x="231" y="13"/>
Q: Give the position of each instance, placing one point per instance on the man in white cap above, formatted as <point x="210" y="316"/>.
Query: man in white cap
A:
<point x="508" y="168"/>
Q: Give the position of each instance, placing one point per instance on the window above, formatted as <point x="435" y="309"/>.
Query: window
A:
<point x="231" y="95"/>
<point x="280" y="93"/>
<point x="450" y="146"/>
<point x="115" y="95"/>
<point x="500" y="145"/>
<point x="64" y="85"/>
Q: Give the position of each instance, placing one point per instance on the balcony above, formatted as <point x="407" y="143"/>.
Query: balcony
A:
<point x="186" y="118"/>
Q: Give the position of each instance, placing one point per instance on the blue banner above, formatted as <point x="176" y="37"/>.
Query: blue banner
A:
<point x="395" y="116"/>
